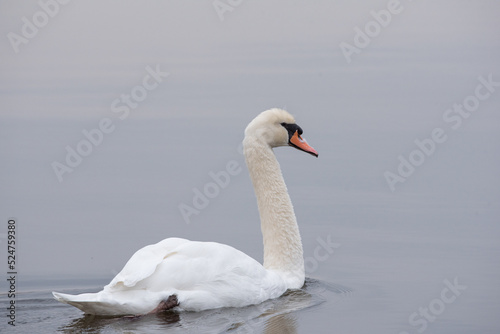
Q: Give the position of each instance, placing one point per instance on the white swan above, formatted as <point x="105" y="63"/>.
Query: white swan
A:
<point x="194" y="276"/>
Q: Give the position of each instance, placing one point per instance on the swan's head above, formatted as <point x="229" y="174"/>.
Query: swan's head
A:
<point x="277" y="127"/>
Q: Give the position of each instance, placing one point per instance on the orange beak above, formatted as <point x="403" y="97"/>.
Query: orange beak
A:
<point x="298" y="142"/>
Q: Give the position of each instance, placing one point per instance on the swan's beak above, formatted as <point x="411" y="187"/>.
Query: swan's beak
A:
<point x="298" y="142"/>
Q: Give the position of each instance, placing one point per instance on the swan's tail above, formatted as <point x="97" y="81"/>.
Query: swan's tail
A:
<point x="87" y="302"/>
<point x="102" y="303"/>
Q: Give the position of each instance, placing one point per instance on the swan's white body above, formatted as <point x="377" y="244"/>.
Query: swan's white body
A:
<point x="207" y="275"/>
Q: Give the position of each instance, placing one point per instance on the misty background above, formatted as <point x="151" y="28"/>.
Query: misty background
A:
<point x="441" y="223"/>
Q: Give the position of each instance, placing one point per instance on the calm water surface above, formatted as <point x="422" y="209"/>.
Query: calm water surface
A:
<point x="384" y="275"/>
<point x="421" y="258"/>
<point x="37" y="312"/>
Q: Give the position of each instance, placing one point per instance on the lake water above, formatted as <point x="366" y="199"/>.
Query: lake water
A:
<point x="410" y="260"/>
<point x="423" y="257"/>
<point x="38" y="313"/>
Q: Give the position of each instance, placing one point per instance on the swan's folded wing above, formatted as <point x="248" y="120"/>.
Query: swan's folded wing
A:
<point x="144" y="262"/>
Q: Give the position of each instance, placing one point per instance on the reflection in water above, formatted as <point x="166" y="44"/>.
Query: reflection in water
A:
<point x="87" y="324"/>
<point x="271" y="317"/>
<point x="283" y="323"/>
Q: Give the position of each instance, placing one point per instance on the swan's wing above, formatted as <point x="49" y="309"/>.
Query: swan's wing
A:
<point x="209" y="275"/>
<point x="202" y="275"/>
<point x="144" y="262"/>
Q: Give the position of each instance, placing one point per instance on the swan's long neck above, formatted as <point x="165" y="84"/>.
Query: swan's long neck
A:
<point x="282" y="244"/>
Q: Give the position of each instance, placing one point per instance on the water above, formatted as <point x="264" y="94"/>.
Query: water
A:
<point x="423" y="258"/>
<point x="39" y="313"/>
<point x="377" y="262"/>
<point x="387" y="267"/>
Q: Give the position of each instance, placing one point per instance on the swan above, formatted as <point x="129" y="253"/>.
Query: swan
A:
<point x="193" y="276"/>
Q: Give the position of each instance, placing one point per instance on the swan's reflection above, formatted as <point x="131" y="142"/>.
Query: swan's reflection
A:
<point x="271" y="317"/>
<point x="282" y="323"/>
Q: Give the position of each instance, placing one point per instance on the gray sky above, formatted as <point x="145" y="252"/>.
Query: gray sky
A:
<point x="360" y="116"/>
